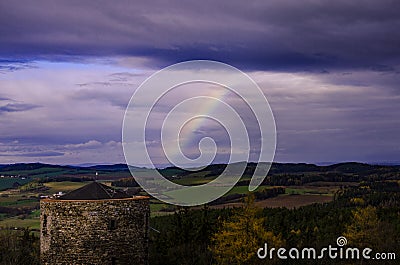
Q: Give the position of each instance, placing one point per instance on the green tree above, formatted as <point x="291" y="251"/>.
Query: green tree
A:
<point x="18" y="247"/>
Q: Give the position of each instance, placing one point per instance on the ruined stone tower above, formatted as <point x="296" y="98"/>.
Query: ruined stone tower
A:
<point x="94" y="225"/>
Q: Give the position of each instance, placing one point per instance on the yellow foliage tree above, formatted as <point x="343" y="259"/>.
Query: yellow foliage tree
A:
<point x="364" y="229"/>
<point x="240" y="237"/>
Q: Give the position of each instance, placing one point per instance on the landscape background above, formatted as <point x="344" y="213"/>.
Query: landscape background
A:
<point x="300" y="204"/>
<point x="329" y="69"/>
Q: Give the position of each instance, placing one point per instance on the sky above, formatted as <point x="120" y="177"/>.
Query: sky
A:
<point x="329" y="69"/>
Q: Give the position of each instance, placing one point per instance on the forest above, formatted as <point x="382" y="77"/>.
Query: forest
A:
<point x="367" y="215"/>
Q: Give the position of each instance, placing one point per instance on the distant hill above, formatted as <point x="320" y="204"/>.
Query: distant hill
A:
<point x="30" y="166"/>
<point x="294" y="168"/>
<point x="353" y="167"/>
<point x="291" y="168"/>
<point x="122" y="170"/>
<point x="37" y="166"/>
<point x="116" y="167"/>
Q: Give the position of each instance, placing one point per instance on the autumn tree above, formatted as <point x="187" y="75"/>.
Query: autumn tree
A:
<point x="239" y="237"/>
<point x="366" y="230"/>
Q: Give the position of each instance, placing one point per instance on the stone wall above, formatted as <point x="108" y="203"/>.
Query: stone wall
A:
<point x="94" y="232"/>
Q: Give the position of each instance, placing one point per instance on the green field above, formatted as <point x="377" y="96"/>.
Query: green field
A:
<point x="319" y="185"/>
<point x="194" y="179"/>
<point x="28" y="200"/>
<point x="244" y="189"/>
<point x="7" y="183"/>
<point x="64" y="186"/>
<point x="19" y="202"/>
<point x="311" y="190"/>
<point x="33" y="223"/>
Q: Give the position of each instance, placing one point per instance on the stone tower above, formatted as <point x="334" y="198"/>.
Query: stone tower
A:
<point x="95" y="224"/>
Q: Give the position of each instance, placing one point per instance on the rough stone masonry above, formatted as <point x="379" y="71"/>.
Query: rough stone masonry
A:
<point x="106" y="229"/>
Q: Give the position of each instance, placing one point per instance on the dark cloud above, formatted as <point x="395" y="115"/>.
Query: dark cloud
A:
<point x="275" y="35"/>
<point x="341" y="104"/>
<point x="338" y="122"/>
<point x="17" y="107"/>
<point x="15" y="65"/>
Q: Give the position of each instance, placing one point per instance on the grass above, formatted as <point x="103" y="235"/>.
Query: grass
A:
<point x="244" y="189"/>
<point x="312" y="190"/>
<point x="296" y="191"/>
<point x="156" y="207"/>
<point x="284" y="200"/>
<point x="194" y="179"/>
<point x="20" y="202"/>
<point x="191" y="181"/>
<point x="35" y="214"/>
<point x="18" y="199"/>
<point x="295" y="196"/>
<point x="64" y="186"/>
<point x="7" y="183"/>
<point x="292" y="201"/>
<point x="33" y="223"/>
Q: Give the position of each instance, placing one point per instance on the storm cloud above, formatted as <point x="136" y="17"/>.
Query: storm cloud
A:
<point x="16" y="107"/>
<point x="330" y="70"/>
<point x="264" y="35"/>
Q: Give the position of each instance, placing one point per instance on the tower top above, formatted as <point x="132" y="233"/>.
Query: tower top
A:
<point x="95" y="191"/>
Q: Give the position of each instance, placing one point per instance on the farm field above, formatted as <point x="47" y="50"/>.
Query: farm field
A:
<point x="32" y="223"/>
<point x="28" y="200"/>
<point x="287" y="201"/>
<point x="8" y="183"/>
<point x="64" y="186"/>
<point x="303" y="185"/>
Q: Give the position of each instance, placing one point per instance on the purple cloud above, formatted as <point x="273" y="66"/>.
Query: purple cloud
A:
<point x="273" y="35"/>
<point x="330" y="71"/>
<point x="17" y="107"/>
